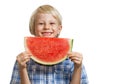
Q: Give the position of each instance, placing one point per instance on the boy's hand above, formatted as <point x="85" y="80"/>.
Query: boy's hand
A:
<point x="76" y="58"/>
<point x="22" y="58"/>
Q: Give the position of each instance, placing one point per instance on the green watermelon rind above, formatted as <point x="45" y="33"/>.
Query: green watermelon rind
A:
<point x="48" y="63"/>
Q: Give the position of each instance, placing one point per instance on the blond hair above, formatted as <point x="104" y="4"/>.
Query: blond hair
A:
<point x="45" y="9"/>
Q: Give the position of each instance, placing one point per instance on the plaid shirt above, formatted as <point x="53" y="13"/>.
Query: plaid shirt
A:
<point x="55" y="74"/>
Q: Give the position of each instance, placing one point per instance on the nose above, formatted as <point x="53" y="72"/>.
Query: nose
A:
<point x="47" y="26"/>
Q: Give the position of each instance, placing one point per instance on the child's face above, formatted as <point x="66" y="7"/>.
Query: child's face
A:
<point x="46" y="26"/>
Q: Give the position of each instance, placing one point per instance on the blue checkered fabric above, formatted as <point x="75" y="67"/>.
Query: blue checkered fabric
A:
<point x="54" y="74"/>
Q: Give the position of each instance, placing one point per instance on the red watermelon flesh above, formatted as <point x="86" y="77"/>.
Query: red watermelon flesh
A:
<point x="48" y="51"/>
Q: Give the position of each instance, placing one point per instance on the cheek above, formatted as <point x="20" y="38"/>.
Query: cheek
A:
<point x="56" y="31"/>
<point x="37" y="29"/>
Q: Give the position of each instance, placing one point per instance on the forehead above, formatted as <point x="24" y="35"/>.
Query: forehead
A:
<point x="42" y="16"/>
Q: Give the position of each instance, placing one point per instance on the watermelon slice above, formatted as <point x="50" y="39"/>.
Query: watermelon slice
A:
<point x="48" y="51"/>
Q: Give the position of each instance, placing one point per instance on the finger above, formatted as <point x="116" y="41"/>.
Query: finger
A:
<point x="25" y="58"/>
<point x="70" y="54"/>
<point x="22" y="57"/>
<point x="75" y="58"/>
<point x="23" y="63"/>
<point x="77" y="61"/>
<point x="26" y="53"/>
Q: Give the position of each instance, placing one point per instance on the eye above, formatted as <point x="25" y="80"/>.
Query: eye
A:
<point x="40" y="23"/>
<point x="52" y="23"/>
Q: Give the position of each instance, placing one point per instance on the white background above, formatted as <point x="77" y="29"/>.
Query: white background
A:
<point x="94" y="25"/>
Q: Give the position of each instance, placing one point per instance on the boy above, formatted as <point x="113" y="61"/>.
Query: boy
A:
<point x="46" y="22"/>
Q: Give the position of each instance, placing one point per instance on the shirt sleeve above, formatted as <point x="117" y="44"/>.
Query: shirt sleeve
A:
<point x="84" y="78"/>
<point x="15" y="78"/>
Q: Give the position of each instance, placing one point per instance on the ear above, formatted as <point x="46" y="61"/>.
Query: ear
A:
<point x="59" y="28"/>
